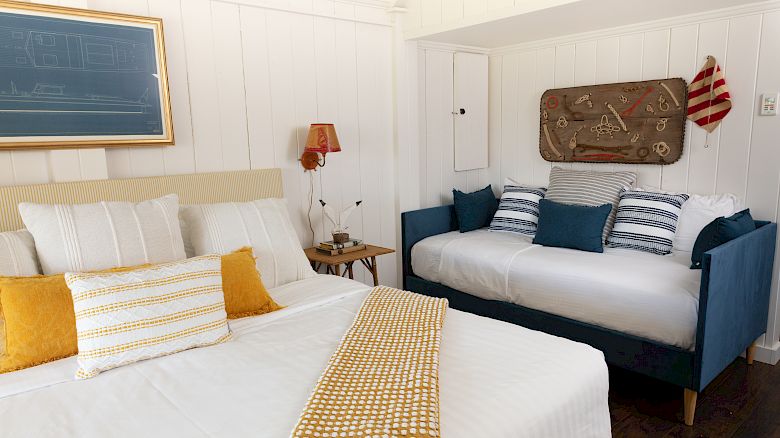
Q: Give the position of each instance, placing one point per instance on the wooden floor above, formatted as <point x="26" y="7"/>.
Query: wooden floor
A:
<point x="744" y="401"/>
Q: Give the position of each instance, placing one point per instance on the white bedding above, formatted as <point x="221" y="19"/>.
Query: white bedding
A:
<point x="496" y="380"/>
<point x="647" y="295"/>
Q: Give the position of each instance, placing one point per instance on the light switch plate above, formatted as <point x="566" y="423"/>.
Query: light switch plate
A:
<point x="769" y="103"/>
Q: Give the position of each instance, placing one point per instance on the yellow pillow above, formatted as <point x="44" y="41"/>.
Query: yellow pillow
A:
<point x="245" y="294"/>
<point x="40" y="325"/>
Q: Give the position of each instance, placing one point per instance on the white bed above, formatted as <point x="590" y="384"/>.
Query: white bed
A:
<point x="497" y="380"/>
<point x="647" y="295"/>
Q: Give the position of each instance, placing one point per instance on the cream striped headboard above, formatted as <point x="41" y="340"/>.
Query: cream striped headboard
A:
<point x="237" y="186"/>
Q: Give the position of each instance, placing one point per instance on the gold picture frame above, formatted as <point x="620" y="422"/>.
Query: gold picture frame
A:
<point x="83" y="73"/>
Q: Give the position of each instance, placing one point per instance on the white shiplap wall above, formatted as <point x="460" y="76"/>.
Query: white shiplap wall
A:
<point x="246" y="78"/>
<point x="742" y="156"/>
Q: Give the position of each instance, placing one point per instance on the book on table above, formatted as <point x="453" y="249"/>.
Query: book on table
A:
<point x="330" y="245"/>
<point x="340" y="251"/>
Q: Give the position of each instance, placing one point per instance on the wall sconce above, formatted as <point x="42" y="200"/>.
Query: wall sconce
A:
<point x="321" y="140"/>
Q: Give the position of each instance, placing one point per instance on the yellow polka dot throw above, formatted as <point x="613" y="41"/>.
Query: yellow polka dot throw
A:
<point x="125" y="317"/>
<point x="383" y="379"/>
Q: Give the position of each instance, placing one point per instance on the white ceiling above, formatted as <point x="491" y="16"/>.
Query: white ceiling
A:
<point x="576" y="17"/>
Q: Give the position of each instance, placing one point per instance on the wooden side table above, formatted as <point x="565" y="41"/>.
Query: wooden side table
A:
<point x="333" y="263"/>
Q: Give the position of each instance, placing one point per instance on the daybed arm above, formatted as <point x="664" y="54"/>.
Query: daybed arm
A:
<point x="734" y="299"/>
<point x="418" y="224"/>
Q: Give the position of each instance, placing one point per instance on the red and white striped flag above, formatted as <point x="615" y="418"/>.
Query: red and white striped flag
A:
<point x="708" y="96"/>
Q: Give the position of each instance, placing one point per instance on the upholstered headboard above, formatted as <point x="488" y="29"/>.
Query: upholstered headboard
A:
<point x="238" y="186"/>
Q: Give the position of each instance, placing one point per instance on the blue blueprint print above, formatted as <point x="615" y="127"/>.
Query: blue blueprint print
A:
<point x="62" y="77"/>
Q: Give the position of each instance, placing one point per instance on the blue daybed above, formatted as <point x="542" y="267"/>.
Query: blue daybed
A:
<point x="733" y="305"/>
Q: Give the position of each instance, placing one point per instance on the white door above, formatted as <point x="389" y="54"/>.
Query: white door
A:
<point x="470" y="111"/>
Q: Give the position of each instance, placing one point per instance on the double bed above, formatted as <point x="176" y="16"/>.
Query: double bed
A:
<point x="495" y="379"/>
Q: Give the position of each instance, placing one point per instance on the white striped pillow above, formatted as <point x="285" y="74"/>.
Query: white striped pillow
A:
<point x="103" y="235"/>
<point x="585" y="187"/>
<point x="125" y="317"/>
<point x="518" y="211"/>
<point x="263" y="225"/>
<point x="646" y="221"/>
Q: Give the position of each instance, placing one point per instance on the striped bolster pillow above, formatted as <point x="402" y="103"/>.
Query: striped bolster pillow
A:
<point x="646" y="221"/>
<point x="584" y="187"/>
<point x="125" y="317"/>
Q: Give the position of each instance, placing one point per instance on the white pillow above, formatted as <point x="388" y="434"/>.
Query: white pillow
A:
<point x="699" y="211"/>
<point x="17" y="254"/>
<point x="17" y="259"/>
<point x="125" y="317"/>
<point x="88" y="237"/>
<point x="264" y="225"/>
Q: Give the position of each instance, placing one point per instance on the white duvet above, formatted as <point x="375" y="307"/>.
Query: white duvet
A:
<point x="647" y="295"/>
<point x="496" y="380"/>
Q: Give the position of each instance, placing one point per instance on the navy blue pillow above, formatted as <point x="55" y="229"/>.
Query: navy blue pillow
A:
<point x="474" y="210"/>
<point x="720" y="231"/>
<point x="571" y="226"/>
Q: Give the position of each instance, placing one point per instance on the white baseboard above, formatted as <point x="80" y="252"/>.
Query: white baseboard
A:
<point x="770" y="355"/>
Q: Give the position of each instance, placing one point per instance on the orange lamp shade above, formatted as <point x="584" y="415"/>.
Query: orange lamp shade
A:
<point x="322" y="138"/>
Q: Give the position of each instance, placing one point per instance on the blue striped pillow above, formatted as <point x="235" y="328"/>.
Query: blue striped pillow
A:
<point x="646" y="221"/>
<point x="518" y="211"/>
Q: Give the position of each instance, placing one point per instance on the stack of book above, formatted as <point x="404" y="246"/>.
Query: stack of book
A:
<point x="332" y="248"/>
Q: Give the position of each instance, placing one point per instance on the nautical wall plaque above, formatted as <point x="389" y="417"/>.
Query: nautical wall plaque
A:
<point x="629" y="122"/>
<point x="73" y="78"/>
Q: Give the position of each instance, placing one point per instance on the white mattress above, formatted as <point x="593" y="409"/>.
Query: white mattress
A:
<point x="647" y="295"/>
<point x="496" y="380"/>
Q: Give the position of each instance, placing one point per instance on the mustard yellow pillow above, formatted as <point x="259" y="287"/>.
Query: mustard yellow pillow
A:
<point x="245" y="294"/>
<point x="40" y="325"/>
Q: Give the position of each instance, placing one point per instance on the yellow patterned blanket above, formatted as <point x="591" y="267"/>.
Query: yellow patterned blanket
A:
<point x="383" y="379"/>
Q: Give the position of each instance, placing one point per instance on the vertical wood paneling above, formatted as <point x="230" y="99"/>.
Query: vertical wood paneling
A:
<point x="375" y="109"/>
<point x="179" y="158"/>
<point x="655" y="58"/>
<point x="328" y="109"/>
<point x="452" y="10"/>
<point x="285" y="121"/>
<point x="495" y="98"/>
<point x="229" y="66"/>
<point x="348" y="126"/>
<point x="683" y="42"/>
<point x="473" y="8"/>
<point x="438" y="115"/>
<point x="607" y="60"/>
<point x="545" y="79"/>
<point x="203" y="86"/>
<point x="764" y="171"/>
<point x="509" y="115"/>
<point x="257" y="85"/>
<point x="422" y="93"/>
<point x="527" y="138"/>
<point x="430" y="12"/>
<point x="703" y="147"/>
<point x="735" y="133"/>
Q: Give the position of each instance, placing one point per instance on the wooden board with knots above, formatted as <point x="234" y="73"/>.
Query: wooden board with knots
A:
<point x="629" y="122"/>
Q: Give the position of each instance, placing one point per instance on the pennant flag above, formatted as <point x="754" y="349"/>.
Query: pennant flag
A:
<point x="708" y="96"/>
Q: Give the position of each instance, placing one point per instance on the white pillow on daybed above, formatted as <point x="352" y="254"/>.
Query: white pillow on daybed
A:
<point x="263" y="224"/>
<point x="699" y="211"/>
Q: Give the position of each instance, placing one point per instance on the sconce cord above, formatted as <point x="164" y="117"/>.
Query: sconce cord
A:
<point x="311" y="201"/>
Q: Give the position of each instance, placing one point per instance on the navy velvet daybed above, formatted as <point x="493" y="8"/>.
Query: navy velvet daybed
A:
<point x="736" y="279"/>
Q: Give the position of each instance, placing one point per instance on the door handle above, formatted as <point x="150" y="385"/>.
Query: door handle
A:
<point x="460" y="112"/>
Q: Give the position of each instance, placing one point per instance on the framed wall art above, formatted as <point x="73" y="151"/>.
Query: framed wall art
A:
<point x="630" y="122"/>
<point x="81" y="78"/>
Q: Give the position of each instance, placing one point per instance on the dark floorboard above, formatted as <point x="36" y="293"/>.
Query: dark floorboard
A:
<point x="744" y="401"/>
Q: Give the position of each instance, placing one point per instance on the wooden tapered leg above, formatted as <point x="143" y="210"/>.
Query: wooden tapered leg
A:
<point x="750" y="353"/>
<point x="689" y="405"/>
